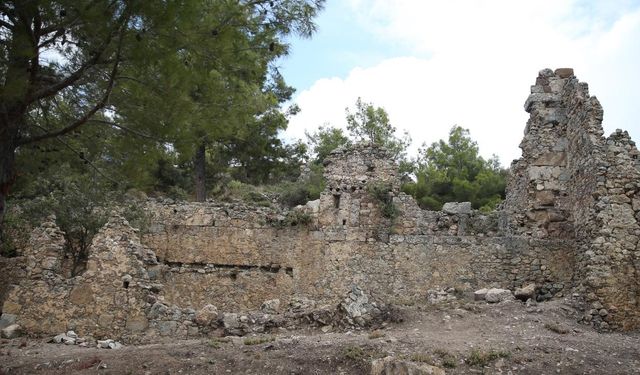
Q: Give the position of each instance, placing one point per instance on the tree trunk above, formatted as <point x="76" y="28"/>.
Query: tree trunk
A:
<point x="7" y="167"/>
<point x="199" y="164"/>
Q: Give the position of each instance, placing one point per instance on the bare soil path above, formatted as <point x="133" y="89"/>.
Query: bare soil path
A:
<point x="461" y="338"/>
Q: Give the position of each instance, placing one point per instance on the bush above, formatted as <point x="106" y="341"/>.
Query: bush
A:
<point x="382" y="193"/>
<point x="291" y="194"/>
<point x="481" y="358"/>
<point x="81" y="205"/>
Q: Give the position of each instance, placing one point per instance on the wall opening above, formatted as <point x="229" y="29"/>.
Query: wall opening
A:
<point x="336" y="201"/>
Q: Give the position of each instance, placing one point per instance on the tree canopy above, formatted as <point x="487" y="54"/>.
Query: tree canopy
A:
<point x="453" y="171"/>
<point x="117" y="82"/>
<point x="368" y="123"/>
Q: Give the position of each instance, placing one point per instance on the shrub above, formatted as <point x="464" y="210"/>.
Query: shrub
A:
<point x="481" y="358"/>
<point x="382" y="193"/>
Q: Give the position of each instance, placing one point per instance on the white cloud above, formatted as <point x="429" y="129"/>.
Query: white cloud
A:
<point x="483" y="56"/>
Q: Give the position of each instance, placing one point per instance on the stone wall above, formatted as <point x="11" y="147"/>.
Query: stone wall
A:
<point x="571" y="182"/>
<point x="569" y="224"/>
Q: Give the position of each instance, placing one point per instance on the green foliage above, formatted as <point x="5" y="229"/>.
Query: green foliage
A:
<point x="81" y="205"/>
<point x="453" y="171"/>
<point x="371" y="124"/>
<point x="355" y="353"/>
<point x="291" y="194"/>
<point x="236" y="190"/>
<point x="448" y="359"/>
<point x="258" y="340"/>
<point x="171" y="180"/>
<point x="131" y="88"/>
<point x="324" y="140"/>
<point x="382" y="193"/>
<point x="14" y="236"/>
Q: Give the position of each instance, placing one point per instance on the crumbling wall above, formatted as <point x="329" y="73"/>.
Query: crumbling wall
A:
<point x="569" y="224"/>
<point x="571" y="182"/>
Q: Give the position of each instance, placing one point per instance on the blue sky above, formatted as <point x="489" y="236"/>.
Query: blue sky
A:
<point x="435" y="64"/>
<point x="340" y="44"/>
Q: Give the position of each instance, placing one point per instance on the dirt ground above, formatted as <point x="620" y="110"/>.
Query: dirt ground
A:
<point x="463" y="338"/>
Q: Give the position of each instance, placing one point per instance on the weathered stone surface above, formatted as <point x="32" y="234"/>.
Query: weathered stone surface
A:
<point x="495" y="295"/>
<point x="271" y="306"/>
<point x="206" y="315"/>
<point x="393" y="366"/>
<point x="480" y="294"/>
<point x="526" y="292"/>
<point x="564" y="72"/>
<point x="457" y="207"/>
<point x="7" y="319"/>
<point x="11" y="331"/>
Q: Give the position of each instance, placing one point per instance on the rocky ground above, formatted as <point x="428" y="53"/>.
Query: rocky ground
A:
<point x="455" y="337"/>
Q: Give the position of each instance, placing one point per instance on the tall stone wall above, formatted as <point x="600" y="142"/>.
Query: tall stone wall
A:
<point x="572" y="182"/>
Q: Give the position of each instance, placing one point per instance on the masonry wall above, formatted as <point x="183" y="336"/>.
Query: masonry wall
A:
<point x="569" y="224"/>
<point x="572" y="182"/>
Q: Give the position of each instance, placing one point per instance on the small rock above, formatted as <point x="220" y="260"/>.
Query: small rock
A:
<point x="104" y="344"/>
<point x="58" y="339"/>
<point x="525" y="293"/>
<point x="498" y="295"/>
<point x="271" y="306"/>
<point x="7" y="319"/>
<point x="479" y="295"/>
<point x="11" y="331"/>
<point x="564" y="72"/>
<point x="206" y="315"/>
<point x="115" y="345"/>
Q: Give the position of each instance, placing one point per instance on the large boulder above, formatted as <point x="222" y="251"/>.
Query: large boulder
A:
<point x="526" y="292"/>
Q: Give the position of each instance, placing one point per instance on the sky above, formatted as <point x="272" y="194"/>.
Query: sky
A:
<point x="435" y="64"/>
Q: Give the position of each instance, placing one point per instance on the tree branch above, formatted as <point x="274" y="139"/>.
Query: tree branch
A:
<point x="135" y="132"/>
<point x="91" y="112"/>
<point x="82" y="157"/>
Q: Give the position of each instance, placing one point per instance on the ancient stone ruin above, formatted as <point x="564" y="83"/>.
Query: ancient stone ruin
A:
<point x="569" y="225"/>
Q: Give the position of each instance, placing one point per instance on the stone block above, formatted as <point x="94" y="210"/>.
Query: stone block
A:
<point x="206" y="315"/>
<point x="457" y="207"/>
<point x="545" y="198"/>
<point x="564" y="72"/>
<point x="556" y="159"/>
<point x="7" y="319"/>
<point x="526" y="292"/>
<point x="11" y="331"/>
<point x="495" y="295"/>
<point x="137" y="324"/>
<point x="540" y="98"/>
<point x="479" y="295"/>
